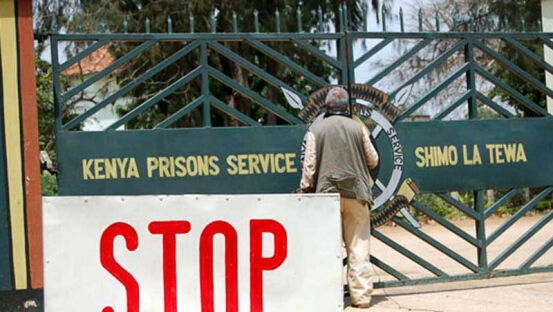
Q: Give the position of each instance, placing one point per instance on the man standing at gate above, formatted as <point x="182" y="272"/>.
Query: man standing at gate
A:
<point x="338" y="156"/>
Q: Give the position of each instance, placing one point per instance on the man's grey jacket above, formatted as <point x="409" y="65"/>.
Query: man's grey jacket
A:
<point x="338" y="156"/>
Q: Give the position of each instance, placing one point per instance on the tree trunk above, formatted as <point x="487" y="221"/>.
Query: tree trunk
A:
<point x="237" y="100"/>
<point x="490" y="194"/>
<point x="526" y="194"/>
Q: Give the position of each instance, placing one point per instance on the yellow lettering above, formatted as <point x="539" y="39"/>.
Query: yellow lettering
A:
<point x="264" y="162"/>
<point x="213" y="167"/>
<point x="133" y="169"/>
<point x="521" y="154"/>
<point x="122" y="164"/>
<point x="443" y="156"/>
<point x="453" y="158"/>
<point x="279" y="157"/>
<point x="110" y="168"/>
<point x="231" y="161"/>
<point x="172" y="165"/>
<point x="203" y="165"/>
<point x="152" y="164"/>
<point x="290" y="168"/>
<point x="99" y="168"/>
<point x="180" y="164"/>
<point x="490" y="148"/>
<point x="164" y="167"/>
<point x="254" y="163"/>
<point x="477" y="159"/>
<point x="499" y="154"/>
<point x="510" y="152"/>
<point x="419" y="153"/>
<point x="466" y="161"/>
<point x="242" y="164"/>
<point x="192" y="166"/>
<point x="87" y="173"/>
<point x="272" y="165"/>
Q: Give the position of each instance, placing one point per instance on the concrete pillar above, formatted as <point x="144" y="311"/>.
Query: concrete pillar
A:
<point x="547" y="22"/>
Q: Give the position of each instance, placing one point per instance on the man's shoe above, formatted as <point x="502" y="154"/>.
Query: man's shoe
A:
<point x="361" y="306"/>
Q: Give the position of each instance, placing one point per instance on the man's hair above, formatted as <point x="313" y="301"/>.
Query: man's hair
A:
<point x="337" y="100"/>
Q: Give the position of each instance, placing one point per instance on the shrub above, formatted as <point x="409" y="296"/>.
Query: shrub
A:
<point x="49" y="185"/>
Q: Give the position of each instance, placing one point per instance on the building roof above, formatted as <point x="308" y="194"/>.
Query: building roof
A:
<point x="93" y="63"/>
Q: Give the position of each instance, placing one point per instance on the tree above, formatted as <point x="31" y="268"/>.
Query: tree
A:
<point x="476" y="16"/>
<point x="92" y="14"/>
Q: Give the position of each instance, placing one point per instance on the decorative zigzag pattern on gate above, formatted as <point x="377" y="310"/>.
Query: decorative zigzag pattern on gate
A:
<point x="469" y="53"/>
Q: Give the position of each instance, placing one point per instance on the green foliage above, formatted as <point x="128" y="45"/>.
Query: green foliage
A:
<point x="45" y="102"/>
<point x="439" y="206"/>
<point x="446" y="210"/>
<point x="49" y="185"/>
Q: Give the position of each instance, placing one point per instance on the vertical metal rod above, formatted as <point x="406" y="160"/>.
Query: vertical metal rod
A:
<point x="126" y="26"/>
<point x="471" y="81"/>
<point x="349" y="70"/>
<point x="213" y="23"/>
<point x="420" y="20"/>
<point x="234" y="22"/>
<point x="365" y="17"/>
<point x="482" y="253"/>
<point x="58" y="105"/>
<point x="54" y="26"/>
<point x="256" y="20"/>
<point x="169" y="25"/>
<point x="320" y="19"/>
<point x="522" y="25"/>
<point x="437" y="22"/>
<point x="298" y="14"/>
<point x="341" y="16"/>
<point x="191" y="21"/>
<point x="383" y="20"/>
<point x="205" y="85"/>
<point x="346" y="17"/>
<point x="277" y="19"/>
<point x="402" y="26"/>
<point x="103" y="27"/>
<point x="147" y="25"/>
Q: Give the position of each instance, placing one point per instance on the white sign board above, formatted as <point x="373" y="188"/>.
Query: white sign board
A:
<point x="193" y="253"/>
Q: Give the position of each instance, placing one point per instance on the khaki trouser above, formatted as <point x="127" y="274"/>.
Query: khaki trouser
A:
<point x="356" y="234"/>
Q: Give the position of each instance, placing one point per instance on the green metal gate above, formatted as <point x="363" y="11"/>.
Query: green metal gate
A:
<point x="268" y="68"/>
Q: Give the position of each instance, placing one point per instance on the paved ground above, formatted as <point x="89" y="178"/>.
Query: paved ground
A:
<point x="521" y="293"/>
<point x="526" y="293"/>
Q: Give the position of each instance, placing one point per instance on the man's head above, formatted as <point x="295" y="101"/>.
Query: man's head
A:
<point x="337" y="100"/>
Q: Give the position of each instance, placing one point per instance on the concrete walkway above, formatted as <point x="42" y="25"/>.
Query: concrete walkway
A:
<point x="527" y="293"/>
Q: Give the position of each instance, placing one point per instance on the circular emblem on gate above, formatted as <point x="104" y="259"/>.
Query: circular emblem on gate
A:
<point x="373" y="109"/>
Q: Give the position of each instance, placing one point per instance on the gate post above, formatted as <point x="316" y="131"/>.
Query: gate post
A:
<point x="481" y="230"/>
<point x="20" y="207"/>
<point x="478" y="195"/>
